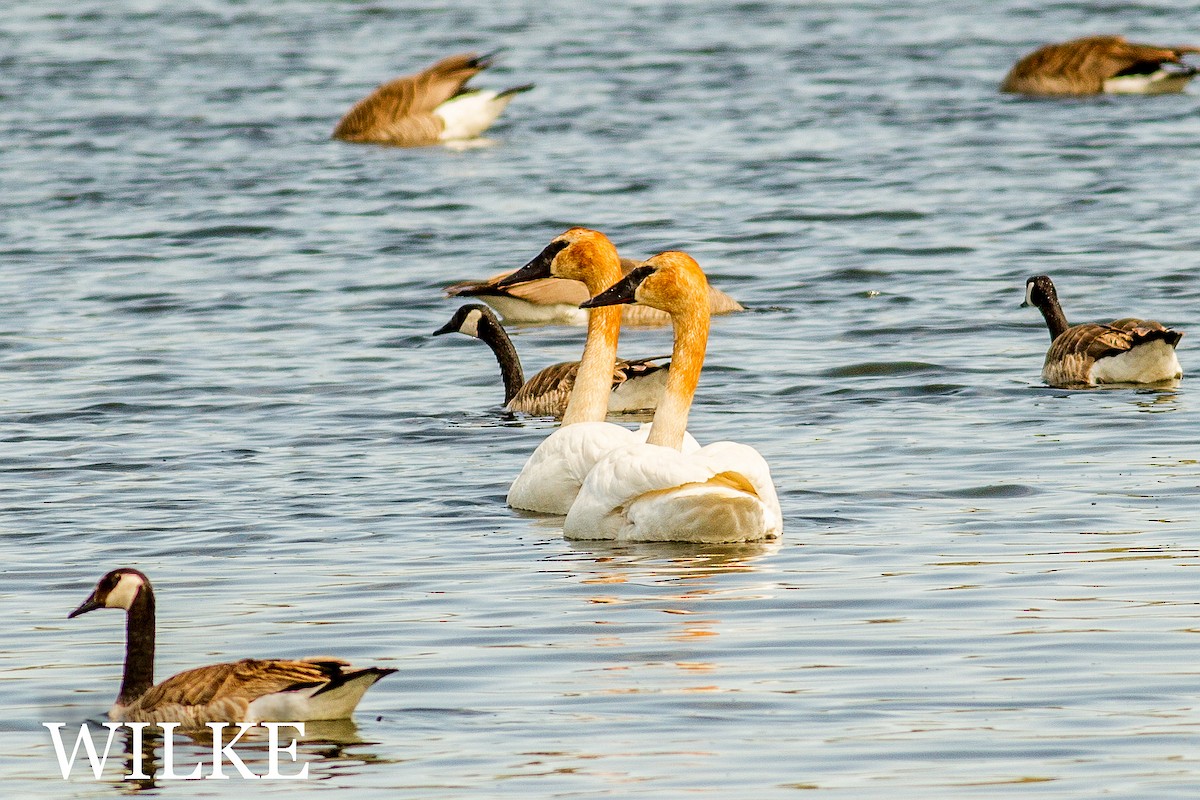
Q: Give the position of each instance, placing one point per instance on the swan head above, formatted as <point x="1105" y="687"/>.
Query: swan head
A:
<point x="118" y="589"/>
<point x="669" y="281"/>
<point x="467" y="320"/>
<point x="573" y="254"/>
<point x="1040" y="293"/>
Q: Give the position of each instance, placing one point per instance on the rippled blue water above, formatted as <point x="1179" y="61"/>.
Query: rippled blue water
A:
<point x="217" y="368"/>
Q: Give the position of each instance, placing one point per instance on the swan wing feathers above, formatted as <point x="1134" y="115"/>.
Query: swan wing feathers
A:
<point x="551" y="477"/>
<point x="642" y="492"/>
<point x="554" y="472"/>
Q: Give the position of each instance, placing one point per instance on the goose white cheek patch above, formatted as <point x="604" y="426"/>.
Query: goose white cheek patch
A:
<point x="470" y="324"/>
<point x="124" y="592"/>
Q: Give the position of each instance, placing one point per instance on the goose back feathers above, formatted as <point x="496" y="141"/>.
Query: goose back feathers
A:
<point x="557" y="300"/>
<point x="432" y="106"/>
<point x="1097" y="64"/>
<point x="1127" y="350"/>
<point x="250" y="690"/>
<point x="636" y="384"/>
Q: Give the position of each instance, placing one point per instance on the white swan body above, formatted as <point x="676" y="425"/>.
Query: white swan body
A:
<point x="553" y="475"/>
<point x="661" y="490"/>
<point x="647" y="493"/>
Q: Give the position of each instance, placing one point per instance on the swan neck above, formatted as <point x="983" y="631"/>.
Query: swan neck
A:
<point x="687" y="359"/>
<point x="506" y="355"/>
<point x="139" y="648"/>
<point x="593" y="382"/>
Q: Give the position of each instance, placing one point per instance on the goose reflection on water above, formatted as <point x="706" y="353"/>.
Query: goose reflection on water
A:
<point x="325" y="745"/>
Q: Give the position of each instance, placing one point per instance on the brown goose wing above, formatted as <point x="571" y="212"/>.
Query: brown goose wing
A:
<point x="401" y="111"/>
<point x="1082" y="66"/>
<point x="637" y="368"/>
<point x="560" y="291"/>
<point x="1145" y="330"/>
<point x="1089" y="342"/>
<point x="445" y="79"/>
<point x="543" y="291"/>
<point x="1127" y="57"/>
<point x="721" y="303"/>
<point x="475" y="288"/>
<point x="246" y="679"/>
<point x="546" y="393"/>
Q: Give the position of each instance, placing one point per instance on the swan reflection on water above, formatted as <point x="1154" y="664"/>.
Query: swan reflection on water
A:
<point x="661" y="562"/>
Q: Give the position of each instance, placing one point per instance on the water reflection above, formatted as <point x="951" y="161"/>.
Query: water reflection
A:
<point x="658" y="562"/>
<point x="1157" y="400"/>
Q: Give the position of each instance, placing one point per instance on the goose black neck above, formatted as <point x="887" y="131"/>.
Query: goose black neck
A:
<point x="139" y="647"/>
<point x="1052" y="312"/>
<point x="510" y="364"/>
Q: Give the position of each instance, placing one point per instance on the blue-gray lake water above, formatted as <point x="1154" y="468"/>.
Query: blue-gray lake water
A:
<point x="217" y="368"/>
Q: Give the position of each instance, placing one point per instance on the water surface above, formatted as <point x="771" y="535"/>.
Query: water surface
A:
<point x="218" y="369"/>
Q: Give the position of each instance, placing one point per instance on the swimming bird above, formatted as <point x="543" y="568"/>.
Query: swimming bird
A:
<point x="250" y="690"/>
<point x="1101" y="64"/>
<point x="654" y="491"/>
<point x="551" y="477"/>
<point x="1123" y="351"/>
<point x="556" y="300"/>
<point x="636" y="385"/>
<point x="428" y="108"/>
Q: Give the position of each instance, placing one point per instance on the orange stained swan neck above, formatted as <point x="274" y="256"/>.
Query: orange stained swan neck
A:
<point x="679" y="287"/>
<point x="591" y="258"/>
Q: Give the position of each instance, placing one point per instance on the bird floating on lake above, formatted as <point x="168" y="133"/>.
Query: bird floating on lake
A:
<point x="434" y="106"/>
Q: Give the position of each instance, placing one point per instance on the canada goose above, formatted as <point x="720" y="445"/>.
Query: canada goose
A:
<point x="556" y="300"/>
<point x="636" y="385"/>
<point x="1123" y="351"/>
<point x="554" y="472"/>
<point x="1097" y="64"/>
<point x="250" y="690"/>
<point x="654" y="491"/>
<point x="427" y="108"/>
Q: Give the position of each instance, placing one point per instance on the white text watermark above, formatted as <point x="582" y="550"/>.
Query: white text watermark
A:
<point x="223" y="755"/>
